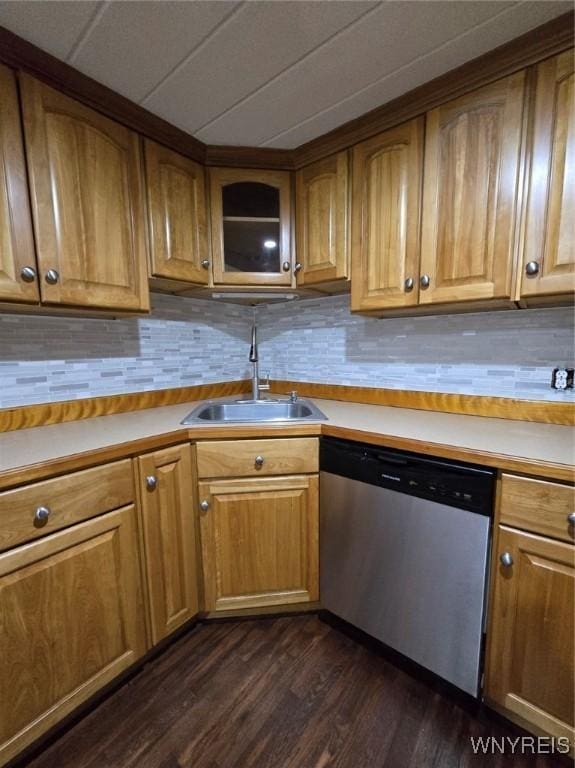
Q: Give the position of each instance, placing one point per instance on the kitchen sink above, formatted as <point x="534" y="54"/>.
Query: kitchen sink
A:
<point x="254" y="410"/>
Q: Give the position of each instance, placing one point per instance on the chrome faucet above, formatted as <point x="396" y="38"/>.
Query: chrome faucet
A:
<point x="257" y="386"/>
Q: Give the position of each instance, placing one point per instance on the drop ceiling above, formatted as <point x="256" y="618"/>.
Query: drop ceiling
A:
<point x="268" y="73"/>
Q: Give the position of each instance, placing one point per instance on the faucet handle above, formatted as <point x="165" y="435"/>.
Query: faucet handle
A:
<point x="265" y="386"/>
<point x="293" y="396"/>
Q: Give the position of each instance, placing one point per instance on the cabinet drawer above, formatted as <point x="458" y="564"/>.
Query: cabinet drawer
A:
<point x="538" y="505"/>
<point x="69" y="499"/>
<point x="242" y="458"/>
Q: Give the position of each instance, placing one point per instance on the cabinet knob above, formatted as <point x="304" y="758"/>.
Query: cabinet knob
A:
<point x="41" y="516"/>
<point x="28" y="274"/>
<point x="506" y="560"/>
<point x="409" y="284"/>
<point x="259" y="462"/>
<point x="52" y="276"/>
<point x="151" y="482"/>
<point x="298" y="267"/>
<point x="424" y="281"/>
<point x="286" y="266"/>
<point x="205" y="263"/>
<point x="571" y="518"/>
<point x="531" y="268"/>
<point x="204" y="505"/>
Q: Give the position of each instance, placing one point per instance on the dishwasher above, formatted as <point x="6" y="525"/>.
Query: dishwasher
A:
<point x="404" y="552"/>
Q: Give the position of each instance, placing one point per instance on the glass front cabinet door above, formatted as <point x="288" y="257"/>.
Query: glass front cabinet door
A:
<point x="251" y="241"/>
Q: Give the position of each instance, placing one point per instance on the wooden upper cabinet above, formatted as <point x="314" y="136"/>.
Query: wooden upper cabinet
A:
<point x="386" y="203"/>
<point x="531" y="650"/>
<point x="16" y="240"/>
<point x="322" y="221"/>
<point x="87" y="201"/>
<point x="470" y="196"/>
<point x="169" y="538"/>
<point x="550" y="197"/>
<point x="177" y="216"/>
<point x="251" y="227"/>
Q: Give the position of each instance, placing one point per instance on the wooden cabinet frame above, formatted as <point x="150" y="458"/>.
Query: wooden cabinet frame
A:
<point x="220" y="177"/>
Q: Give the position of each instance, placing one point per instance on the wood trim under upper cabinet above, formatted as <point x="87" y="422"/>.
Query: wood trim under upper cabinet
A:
<point x="470" y="405"/>
<point x="177" y="215"/>
<point x="540" y="43"/>
<point x="385" y="218"/>
<point x="16" y="239"/>
<point x="20" y="54"/>
<point x="322" y="220"/>
<point x="26" y="416"/>
<point x="473" y="152"/>
<point x="87" y="196"/>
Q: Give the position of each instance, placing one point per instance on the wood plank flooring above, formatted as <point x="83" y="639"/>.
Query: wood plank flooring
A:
<point x="275" y="693"/>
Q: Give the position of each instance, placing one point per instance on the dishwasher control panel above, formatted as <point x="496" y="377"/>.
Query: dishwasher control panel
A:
<point x="456" y="484"/>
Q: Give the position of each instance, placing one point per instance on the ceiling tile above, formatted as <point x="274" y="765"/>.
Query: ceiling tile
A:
<point x="252" y="47"/>
<point x="53" y="26"/>
<point x="514" y="22"/>
<point x="374" y="47"/>
<point x="135" y="44"/>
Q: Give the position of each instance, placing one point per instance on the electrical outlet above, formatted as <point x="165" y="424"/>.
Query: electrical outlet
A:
<point x="562" y="378"/>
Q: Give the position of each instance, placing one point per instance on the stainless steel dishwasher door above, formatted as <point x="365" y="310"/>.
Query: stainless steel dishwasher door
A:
<point x="408" y="571"/>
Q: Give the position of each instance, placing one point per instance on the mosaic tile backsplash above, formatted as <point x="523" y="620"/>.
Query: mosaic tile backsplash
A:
<point x="182" y="343"/>
<point x="188" y="341"/>
<point x="509" y="354"/>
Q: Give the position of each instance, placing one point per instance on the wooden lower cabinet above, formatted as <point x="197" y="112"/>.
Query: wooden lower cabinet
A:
<point x="167" y="505"/>
<point x="259" y="541"/>
<point x="71" y="620"/>
<point x="530" y="655"/>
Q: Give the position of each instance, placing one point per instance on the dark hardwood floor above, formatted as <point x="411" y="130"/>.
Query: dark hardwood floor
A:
<point x="278" y="693"/>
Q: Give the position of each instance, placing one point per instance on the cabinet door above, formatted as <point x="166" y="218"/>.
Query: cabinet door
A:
<point x="16" y="241"/>
<point x="322" y="227"/>
<point x="177" y="216"/>
<point x="169" y="540"/>
<point x="71" y="619"/>
<point x="260" y="542"/>
<point x="472" y="162"/>
<point x="251" y="224"/>
<point x="386" y="204"/>
<point x="550" y="198"/>
<point x="87" y="202"/>
<point x="531" y="647"/>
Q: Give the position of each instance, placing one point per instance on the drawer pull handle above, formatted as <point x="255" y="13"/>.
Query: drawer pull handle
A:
<point x="41" y="516"/>
<point x="259" y="462"/>
<point x="151" y="483"/>
<point x="204" y="505"/>
<point x="506" y="560"/>
<point x="571" y="518"/>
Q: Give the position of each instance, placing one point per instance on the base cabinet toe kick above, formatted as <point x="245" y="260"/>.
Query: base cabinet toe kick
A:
<point x="457" y="565"/>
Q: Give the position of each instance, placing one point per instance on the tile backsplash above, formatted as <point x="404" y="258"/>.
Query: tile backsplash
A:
<point x="183" y="342"/>
<point x="509" y="354"/>
<point x="187" y="341"/>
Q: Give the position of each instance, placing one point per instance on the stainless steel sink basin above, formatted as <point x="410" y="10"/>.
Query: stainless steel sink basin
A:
<point x="254" y="410"/>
